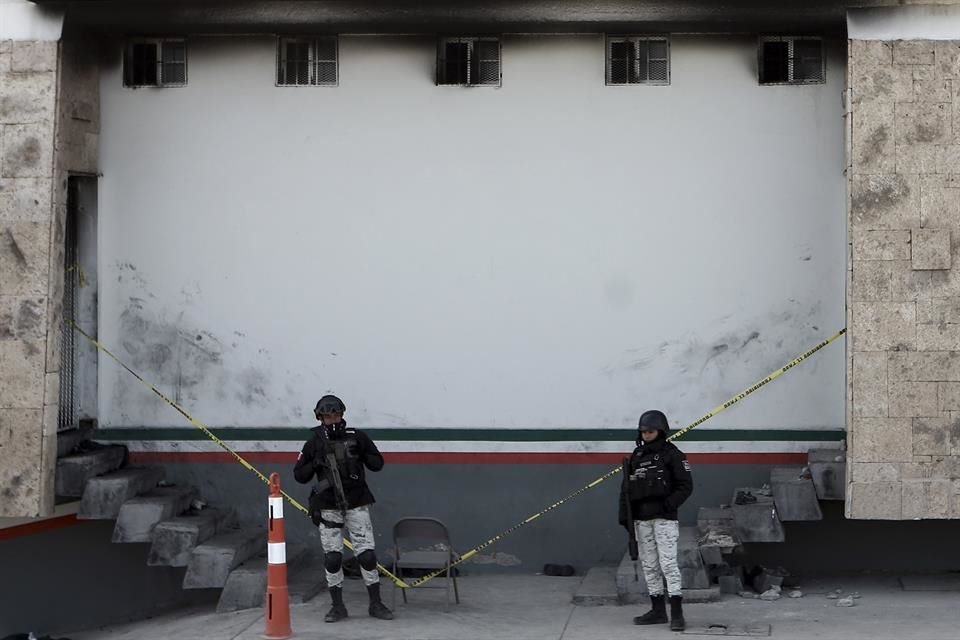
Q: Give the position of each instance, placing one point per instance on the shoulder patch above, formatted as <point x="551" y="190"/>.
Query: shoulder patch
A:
<point x="686" y="465"/>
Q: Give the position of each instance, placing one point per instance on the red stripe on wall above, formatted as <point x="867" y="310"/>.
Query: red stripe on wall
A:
<point x="427" y="457"/>
<point x="47" y="524"/>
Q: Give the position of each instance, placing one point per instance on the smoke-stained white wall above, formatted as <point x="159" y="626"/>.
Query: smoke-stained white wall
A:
<point x="553" y="253"/>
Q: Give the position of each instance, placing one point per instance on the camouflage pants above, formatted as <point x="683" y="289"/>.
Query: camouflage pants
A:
<point x="360" y="528"/>
<point x="658" y="554"/>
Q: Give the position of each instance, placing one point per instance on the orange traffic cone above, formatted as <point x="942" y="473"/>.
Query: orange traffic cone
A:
<point x="278" y="596"/>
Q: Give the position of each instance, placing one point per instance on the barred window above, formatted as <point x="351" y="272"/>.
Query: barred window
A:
<point x="305" y="62"/>
<point x="638" y="60"/>
<point x="791" y="60"/>
<point x="468" y="61"/>
<point x="155" y="62"/>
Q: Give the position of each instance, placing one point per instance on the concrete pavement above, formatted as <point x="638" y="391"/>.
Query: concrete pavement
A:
<point x="521" y="607"/>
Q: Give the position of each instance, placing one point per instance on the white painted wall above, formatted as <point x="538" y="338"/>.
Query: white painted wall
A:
<point x="23" y="20"/>
<point x="553" y="253"/>
<point x="905" y="23"/>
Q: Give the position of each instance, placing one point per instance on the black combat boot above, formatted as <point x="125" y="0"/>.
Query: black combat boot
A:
<point x="337" y="612"/>
<point x="377" y="608"/>
<point x="676" y="614"/>
<point x="657" y="614"/>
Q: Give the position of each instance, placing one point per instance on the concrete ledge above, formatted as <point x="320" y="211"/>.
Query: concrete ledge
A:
<point x="104" y="495"/>
<point x="73" y="471"/>
<point x="138" y="516"/>
<point x="211" y="562"/>
<point x="247" y="584"/>
<point x="175" y="539"/>
<point x="828" y="468"/>
<point x="795" y="495"/>
<point x="757" y="521"/>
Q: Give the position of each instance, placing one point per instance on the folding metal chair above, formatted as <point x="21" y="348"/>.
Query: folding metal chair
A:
<point x="419" y="531"/>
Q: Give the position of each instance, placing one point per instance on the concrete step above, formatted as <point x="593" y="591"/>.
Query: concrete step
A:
<point x="75" y="469"/>
<point x="247" y="584"/>
<point x="175" y="539"/>
<point x="138" y="516"/>
<point x="756" y="521"/>
<point x="211" y="562"/>
<point x="599" y="588"/>
<point x="630" y="589"/>
<point x="712" y="518"/>
<point x="104" y="495"/>
<point x="828" y="468"/>
<point x="794" y="494"/>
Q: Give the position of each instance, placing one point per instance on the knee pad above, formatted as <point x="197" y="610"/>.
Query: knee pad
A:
<point x="367" y="559"/>
<point x="333" y="561"/>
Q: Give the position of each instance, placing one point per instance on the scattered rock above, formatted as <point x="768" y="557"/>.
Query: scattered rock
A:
<point x="770" y="594"/>
<point x="833" y="595"/>
<point x="855" y="595"/>
<point x="748" y="594"/>
<point x="796" y="594"/>
<point x="845" y="602"/>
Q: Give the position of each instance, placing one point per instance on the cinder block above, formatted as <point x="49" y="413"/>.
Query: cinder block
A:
<point x="881" y="244"/>
<point x="912" y="399"/>
<point x="883" y="326"/>
<point x="881" y="440"/>
<point x="873" y="143"/>
<point x="21" y="484"/>
<point x="870" y="384"/>
<point x="934" y="436"/>
<point x="929" y="366"/>
<point x="874" y="501"/>
<point x="138" y="516"/>
<point x="938" y="337"/>
<point x="924" y="123"/>
<point x="931" y="249"/>
<point x="24" y="259"/>
<point x="947" y="58"/>
<point x="939" y="201"/>
<point x="910" y="52"/>
<point x="927" y="499"/>
<point x="22" y="364"/>
<point x="28" y="150"/>
<point x="874" y="472"/>
<point x="34" y="55"/>
<point x="104" y="495"/>
<point x="885" y="202"/>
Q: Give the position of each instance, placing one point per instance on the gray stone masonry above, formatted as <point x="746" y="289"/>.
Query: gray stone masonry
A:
<point x="904" y="294"/>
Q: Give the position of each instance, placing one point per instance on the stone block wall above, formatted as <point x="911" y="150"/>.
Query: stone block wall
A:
<point x="904" y="287"/>
<point x="49" y="123"/>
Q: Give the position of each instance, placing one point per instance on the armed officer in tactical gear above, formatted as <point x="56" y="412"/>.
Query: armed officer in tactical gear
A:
<point x="336" y="456"/>
<point x="659" y="482"/>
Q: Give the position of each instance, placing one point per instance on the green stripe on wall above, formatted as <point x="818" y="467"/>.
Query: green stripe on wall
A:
<point x="471" y="435"/>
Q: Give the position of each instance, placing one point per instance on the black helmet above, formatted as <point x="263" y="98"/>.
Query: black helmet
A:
<point x="329" y="404"/>
<point x="653" y="419"/>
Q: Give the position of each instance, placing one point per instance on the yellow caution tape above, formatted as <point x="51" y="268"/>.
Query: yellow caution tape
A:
<point x="493" y="540"/>
<point x="609" y="474"/>
<point x="223" y="445"/>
